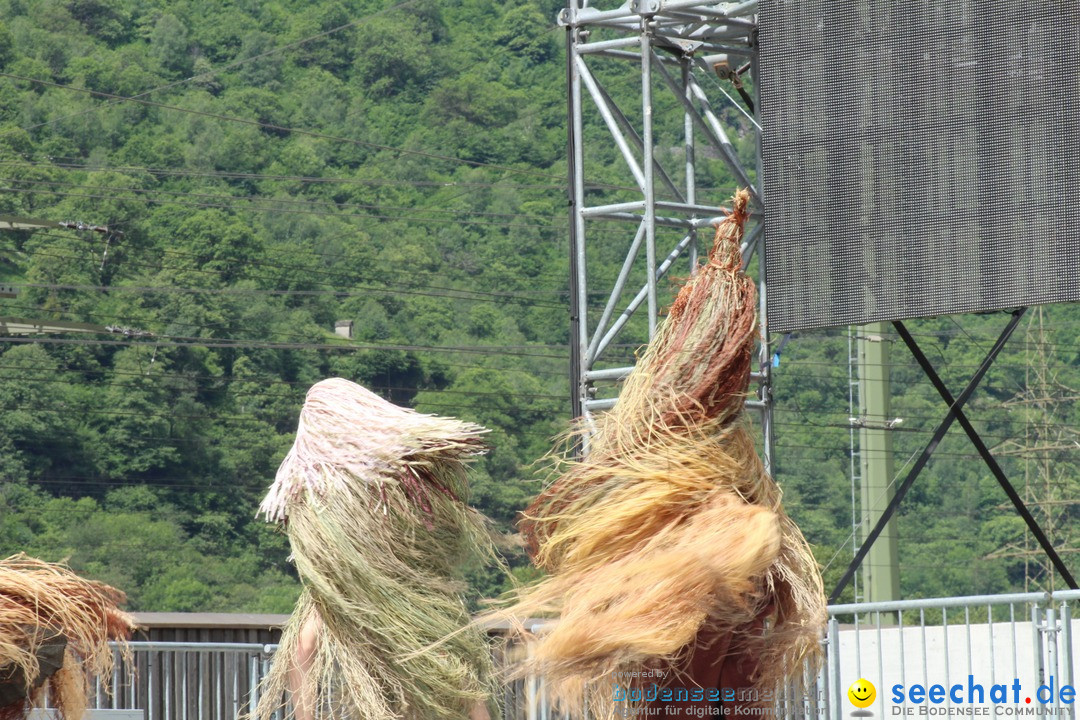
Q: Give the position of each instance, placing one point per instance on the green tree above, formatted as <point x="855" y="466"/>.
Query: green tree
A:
<point x="169" y="44"/>
<point x="395" y="57"/>
<point x="523" y="31"/>
<point x="106" y="19"/>
<point x="7" y="45"/>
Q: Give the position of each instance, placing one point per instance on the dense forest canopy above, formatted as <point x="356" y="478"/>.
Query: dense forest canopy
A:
<point x="401" y="167"/>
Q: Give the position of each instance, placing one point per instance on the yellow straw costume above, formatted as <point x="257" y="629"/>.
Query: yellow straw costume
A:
<point x="54" y="630"/>
<point x="670" y="530"/>
<point x="375" y="503"/>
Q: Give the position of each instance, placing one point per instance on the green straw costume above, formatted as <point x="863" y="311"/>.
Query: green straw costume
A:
<point x="374" y="499"/>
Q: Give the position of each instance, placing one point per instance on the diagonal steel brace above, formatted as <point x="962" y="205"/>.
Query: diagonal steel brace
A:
<point x="984" y="452"/>
<point x="954" y="410"/>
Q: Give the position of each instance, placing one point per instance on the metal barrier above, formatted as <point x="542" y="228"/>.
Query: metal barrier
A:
<point x="971" y="641"/>
<point x="220" y="681"/>
<point x="185" y="680"/>
<point x="980" y="640"/>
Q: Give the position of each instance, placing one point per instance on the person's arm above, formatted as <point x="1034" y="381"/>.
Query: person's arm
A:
<point x="300" y="685"/>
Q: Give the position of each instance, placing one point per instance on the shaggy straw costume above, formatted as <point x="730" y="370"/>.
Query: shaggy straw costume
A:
<point x="670" y="531"/>
<point x="50" y="617"/>
<point x="374" y="498"/>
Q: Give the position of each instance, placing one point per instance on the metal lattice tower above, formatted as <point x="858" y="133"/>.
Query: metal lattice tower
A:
<point x="676" y="48"/>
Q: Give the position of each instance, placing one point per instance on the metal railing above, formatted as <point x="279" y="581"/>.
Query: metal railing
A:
<point x="220" y="681"/>
<point x="185" y="680"/>
<point x="981" y="641"/>
<point x="976" y="642"/>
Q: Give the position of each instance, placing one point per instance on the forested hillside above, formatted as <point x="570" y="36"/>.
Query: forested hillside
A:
<point x="400" y="167"/>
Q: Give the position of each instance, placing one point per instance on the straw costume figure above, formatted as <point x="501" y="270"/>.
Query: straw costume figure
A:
<point x="374" y="498"/>
<point x="666" y="549"/>
<point x="54" y="631"/>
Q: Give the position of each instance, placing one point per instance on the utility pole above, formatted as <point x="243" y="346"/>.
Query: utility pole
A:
<point x="881" y="578"/>
<point x="13" y="222"/>
<point x="22" y="326"/>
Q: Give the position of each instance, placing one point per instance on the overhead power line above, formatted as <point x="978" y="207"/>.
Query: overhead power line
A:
<point x="279" y="200"/>
<point x="523" y="297"/>
<point x="362" y="292"/>
<point x="281" y="128"/>
<point x="50" y="162"/>
<point x="231" y="65"/>
<point x="306" y="179"/>
<point x="260" y="345"/>
<point x="285" y="211"/>
<point x="323" y="273"/>
<point x="261" y="379"/>
<point x="298" y="389"/>
<point x="355" y="291"/>
<point x="73" y="410"/>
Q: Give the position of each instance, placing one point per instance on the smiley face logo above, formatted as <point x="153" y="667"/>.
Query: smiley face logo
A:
<point x="862" y="693"/>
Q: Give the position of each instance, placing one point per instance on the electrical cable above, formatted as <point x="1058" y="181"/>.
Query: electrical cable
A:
<point x="272" y="200"/>
<point x="304" y="179"/>
<point x="285" y="211"/>
<point x="280" y="128"/>
<point x="320" y="271"/>
<point x="255" y="345"/>
<point x="231" y="65"/>
<point x="447" y="293"/>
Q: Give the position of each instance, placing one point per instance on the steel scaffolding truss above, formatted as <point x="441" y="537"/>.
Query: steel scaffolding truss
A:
<point x="673" y="44"/>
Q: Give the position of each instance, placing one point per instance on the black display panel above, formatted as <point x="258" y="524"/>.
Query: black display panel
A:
<point x="919" y="158"/>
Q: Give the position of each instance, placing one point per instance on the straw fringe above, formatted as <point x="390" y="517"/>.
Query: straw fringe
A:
<point x="375" y="500"/>
<point x="671" y="529"/>
<point x="39" y="601"/>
